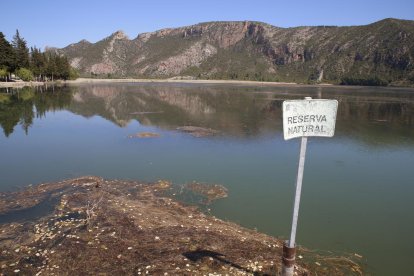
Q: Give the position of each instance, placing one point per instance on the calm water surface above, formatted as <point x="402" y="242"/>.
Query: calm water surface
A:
<point x="358" y="186"/>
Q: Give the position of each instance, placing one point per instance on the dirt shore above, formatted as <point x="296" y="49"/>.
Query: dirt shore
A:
<point x="87" y="80"/>
<point x="174" y="80"/>
<point x="96" y="81"/>
<point x="92" y="226"/>
<point x="20" y="84"/>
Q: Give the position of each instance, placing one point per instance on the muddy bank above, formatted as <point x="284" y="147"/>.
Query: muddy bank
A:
<point x="94" y="226"/>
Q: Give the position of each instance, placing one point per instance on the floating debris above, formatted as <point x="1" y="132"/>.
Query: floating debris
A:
<point x="210" y="191"/>
<point x="198" y="131"/>
<point x="162" y="184"/>
<point x="144" y="135"/>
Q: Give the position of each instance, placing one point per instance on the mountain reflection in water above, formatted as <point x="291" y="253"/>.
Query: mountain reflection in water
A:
<point x="372" y="115"/>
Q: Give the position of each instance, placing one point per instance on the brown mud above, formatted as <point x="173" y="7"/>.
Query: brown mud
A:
<point x="92" y="226"/>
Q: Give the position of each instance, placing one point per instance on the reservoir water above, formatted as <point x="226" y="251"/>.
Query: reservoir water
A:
<point x="358" y="186"/>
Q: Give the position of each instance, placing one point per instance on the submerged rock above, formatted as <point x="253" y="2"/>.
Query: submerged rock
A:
<point x="198" y="131"/>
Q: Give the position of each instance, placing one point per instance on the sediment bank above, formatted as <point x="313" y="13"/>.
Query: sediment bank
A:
<point x="89" y="225"/>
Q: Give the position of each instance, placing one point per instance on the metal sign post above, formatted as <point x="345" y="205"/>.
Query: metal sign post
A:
<point x="304" y="118"/>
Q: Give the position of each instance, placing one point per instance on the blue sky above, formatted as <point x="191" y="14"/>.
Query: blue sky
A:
<point x="59" y="23"/>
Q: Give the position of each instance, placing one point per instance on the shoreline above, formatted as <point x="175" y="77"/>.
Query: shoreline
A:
<point x="172" y="80"/>
<point x="22" y="84"/>
<point x="91" y="225"/>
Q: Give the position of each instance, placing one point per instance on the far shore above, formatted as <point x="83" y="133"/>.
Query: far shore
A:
<point x="172" y="80"/>
<point x="21" y="84"/>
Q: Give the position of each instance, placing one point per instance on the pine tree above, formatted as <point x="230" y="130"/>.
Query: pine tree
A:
<point x="63" y="67"/>
<point x="21" y="51"/>
<point x="51" y="66"/>
<point x="15" y="58"/>
<point x="37" y="63"/>
<point x="6" y="54"/>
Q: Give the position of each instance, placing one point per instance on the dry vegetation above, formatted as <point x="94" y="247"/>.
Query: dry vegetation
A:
<point x="92" y="226"/>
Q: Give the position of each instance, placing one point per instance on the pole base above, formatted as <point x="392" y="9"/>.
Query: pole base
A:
<point x="288" y="271"/>
<point x="288" y="259"/>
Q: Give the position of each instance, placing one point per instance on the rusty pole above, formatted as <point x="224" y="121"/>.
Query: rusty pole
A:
<point x="288" y="259"/>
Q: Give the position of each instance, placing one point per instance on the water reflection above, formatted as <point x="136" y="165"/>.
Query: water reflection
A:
<point x="373" y="115"/>
<point x="21" y="106"/>
<point x="228" y="110"/>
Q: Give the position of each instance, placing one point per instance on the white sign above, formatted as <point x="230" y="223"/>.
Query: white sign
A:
<point x="309" y="118"/>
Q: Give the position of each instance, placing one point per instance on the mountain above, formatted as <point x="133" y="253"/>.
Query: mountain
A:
<point x="378" y="53"/>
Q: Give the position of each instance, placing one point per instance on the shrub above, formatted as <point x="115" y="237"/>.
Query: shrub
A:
<point x="3" y="73"/>
<point x="25" y="74"/>
<point x="73" y="74"/>
<point x="369" y="81"/>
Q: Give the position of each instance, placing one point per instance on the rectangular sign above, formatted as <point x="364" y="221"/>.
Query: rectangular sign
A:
<point x="309" y="118"/>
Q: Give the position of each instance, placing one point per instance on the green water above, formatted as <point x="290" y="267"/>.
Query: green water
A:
<point x="358" y="186"/>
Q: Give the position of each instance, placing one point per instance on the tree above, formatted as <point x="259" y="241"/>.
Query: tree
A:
<point x="58" y="66"/>
<point x="51" y="66"/>
<point x="24" y="74"/>
<point x="73" y="73"/>
<point x="15" y="57"/>
<point x="37" y="63"/>
<point x="21" y="51"/>
<point x="6" y="54"/>
<point x="3" y="73"/>
<point x="62" y="65"/>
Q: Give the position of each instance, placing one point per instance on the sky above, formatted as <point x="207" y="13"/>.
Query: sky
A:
<point x="59" y="23"/>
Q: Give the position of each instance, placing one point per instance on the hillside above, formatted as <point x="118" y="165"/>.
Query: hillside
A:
<point x="378" y="53"/>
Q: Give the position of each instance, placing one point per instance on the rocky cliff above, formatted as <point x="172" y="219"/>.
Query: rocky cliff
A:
<point x="379" y="53"/>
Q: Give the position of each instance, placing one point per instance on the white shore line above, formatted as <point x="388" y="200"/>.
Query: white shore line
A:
<point x="20" y="84"/>
<point x="131" y="80"/>
<point x="87" y="80"/>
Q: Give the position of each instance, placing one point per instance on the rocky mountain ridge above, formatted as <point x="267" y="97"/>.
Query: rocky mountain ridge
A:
<point x="382" y="51"/>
